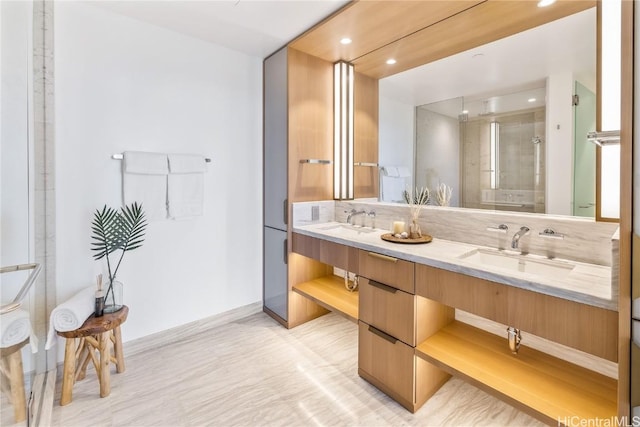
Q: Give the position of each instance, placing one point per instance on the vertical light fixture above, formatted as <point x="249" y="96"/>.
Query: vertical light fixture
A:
<point x="343" y="130"/>
<point x="610" y="42"/>
<point x="494" y="153"/>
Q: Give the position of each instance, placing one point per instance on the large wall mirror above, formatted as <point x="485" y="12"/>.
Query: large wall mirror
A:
<point x="500" y="124"/>
<point x="22" y="338"/>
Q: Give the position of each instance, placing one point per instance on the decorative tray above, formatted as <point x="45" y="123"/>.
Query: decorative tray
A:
<point x="391" y="238"/>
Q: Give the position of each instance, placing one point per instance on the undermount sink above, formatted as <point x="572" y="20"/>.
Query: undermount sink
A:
<point x="518" y="263"/>
<point x="347" y="229"/>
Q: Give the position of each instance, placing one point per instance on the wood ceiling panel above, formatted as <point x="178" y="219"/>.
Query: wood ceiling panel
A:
<point x="372" y="24"/>
<point x="484" y="23"/>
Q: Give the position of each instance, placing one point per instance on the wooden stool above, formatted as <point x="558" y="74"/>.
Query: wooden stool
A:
<point x="13" y="378"/>
<point x="96" y="334"/>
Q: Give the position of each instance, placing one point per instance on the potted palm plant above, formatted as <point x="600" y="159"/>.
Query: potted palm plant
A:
<point x="116" y="230"/>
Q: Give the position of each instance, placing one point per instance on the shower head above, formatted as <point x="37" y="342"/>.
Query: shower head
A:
<point x="536" y="140"/>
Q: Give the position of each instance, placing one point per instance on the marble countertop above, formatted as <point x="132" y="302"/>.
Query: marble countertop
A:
<point x="586" y="283"/>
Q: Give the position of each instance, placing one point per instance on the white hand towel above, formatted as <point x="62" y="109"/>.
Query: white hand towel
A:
<point x="185" y="188"/>
<point x="391" y="171"/>
<point x="71" y="314"/>
<point x="15" y="327"/>
<point x="403" y="172"/>
<point x="186" y="163"/>
<point x="144" y="180"/>
<point x="392" y="188"/>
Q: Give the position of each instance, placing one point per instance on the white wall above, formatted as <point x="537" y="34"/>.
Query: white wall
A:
<point x="14" y="135"/>
<point x="438" y="142"/>
<point x="559" y="149"/>
<point x="121" y="84"/>
<point x="396" y="135"/>
<point x="16" y="241"/>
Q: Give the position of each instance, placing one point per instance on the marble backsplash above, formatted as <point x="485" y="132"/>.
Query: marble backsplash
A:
<point x="584" y="239"/>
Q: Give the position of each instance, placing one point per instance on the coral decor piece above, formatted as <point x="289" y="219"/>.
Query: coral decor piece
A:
<point x="443" y="194"/>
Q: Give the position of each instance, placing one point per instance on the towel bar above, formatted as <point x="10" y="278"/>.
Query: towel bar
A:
<point x="17" y="301"/>
<point x="119" y="156"/>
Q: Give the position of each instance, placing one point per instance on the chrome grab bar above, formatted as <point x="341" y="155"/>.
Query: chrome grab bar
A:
<point x="17" y="301"/>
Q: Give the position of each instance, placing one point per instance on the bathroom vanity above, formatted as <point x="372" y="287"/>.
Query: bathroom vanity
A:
<point x="410" y="341"/>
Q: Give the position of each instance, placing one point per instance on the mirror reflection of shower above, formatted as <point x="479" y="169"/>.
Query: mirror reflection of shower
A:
<point x="490" y="149"/>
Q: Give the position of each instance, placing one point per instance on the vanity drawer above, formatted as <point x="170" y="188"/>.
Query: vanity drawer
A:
<point x="388" y="309"/>
<point x="388" y="270"/>
<point x="387" y="363"/>
<point x="335" y="254"/>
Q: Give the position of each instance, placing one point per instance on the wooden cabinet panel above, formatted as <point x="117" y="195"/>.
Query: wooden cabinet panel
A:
<point x="477" y="296"/>
<point x="310" y="129"/>
<point x="388" y="270"/>
<point x="429" y="379"/>
<point x="334" y="254"/>
<point x="590" y="329"/>
<point x="302" y="269"/>
<point x="388" y="309"/>
<point x="389" y="361"/>
<point x="365" y="151"/>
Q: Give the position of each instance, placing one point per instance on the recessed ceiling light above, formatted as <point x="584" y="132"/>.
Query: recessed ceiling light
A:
<point x="465" y="111"/>
<point x="391" y="61"/>
<point x="545" y="3"/>
<point x="531" y="100"/>
<point x="345" y="40"/>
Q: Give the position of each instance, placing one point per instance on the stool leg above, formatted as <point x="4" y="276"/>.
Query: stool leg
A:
<point x="17" y="386"/>
<point x="117" y="349"/>
<point x="68" y="375"/>
<point x="83" y="362"/>
<point x="105" y="358"/>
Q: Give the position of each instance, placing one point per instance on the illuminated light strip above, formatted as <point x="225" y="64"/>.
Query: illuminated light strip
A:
<point x="343" y="136"/>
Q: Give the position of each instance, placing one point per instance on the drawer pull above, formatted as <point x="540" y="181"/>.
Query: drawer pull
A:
<point x="382" y="335"/>
<point x="383" y="257"/>
<point x="382" y="286"/>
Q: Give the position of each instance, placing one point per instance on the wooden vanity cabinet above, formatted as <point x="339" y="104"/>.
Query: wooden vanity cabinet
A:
<point x="334" y="254"/>
<point x="551" y="389"/>
<point x="322" y="287"/>
<point x="391" y="271"/>
<point x="392" y="321"/>
<point x="584" y="327"/>
<point x="388" y="309"/>
<point x="387" y="363"/>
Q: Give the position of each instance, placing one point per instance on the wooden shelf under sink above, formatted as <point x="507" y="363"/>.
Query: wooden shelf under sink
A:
<point x="330" y="293"/>
<point x="550" y="388"/>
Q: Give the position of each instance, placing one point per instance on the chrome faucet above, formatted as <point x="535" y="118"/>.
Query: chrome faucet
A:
<point x="353" y="213"/>
<point x="524" y="230"/>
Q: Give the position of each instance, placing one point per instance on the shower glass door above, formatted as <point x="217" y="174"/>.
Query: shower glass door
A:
<point x="584" y="156"/>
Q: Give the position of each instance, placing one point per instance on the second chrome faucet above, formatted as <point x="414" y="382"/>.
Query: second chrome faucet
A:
<point x="524" y="230"/>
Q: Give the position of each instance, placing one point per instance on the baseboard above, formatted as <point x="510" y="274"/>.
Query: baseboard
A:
<point x="171" y="336"/>
<point x="41" y="399"/>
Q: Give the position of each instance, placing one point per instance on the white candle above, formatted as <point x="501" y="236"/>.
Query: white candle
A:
<point x="398" y="227"/>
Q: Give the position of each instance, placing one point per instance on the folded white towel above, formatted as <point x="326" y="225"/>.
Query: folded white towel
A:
<point x="185" y="188"/>
<point x="403" y="172"/>
<point x="144" y="180"/>
<point x="15" y="327"/>
<point x="186" y="163"/>
<point x="391" y="171"/>
<point x="71" y="314"/>
<point x="391" y="188"/>
<point x="145" y="163"/>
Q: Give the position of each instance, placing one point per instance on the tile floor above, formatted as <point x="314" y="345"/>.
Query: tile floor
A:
<point x="253" y="372"/>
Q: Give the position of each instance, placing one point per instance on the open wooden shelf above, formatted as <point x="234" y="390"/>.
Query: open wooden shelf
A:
<point x="330" y="293"/>
<point x="550" y="388"/>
